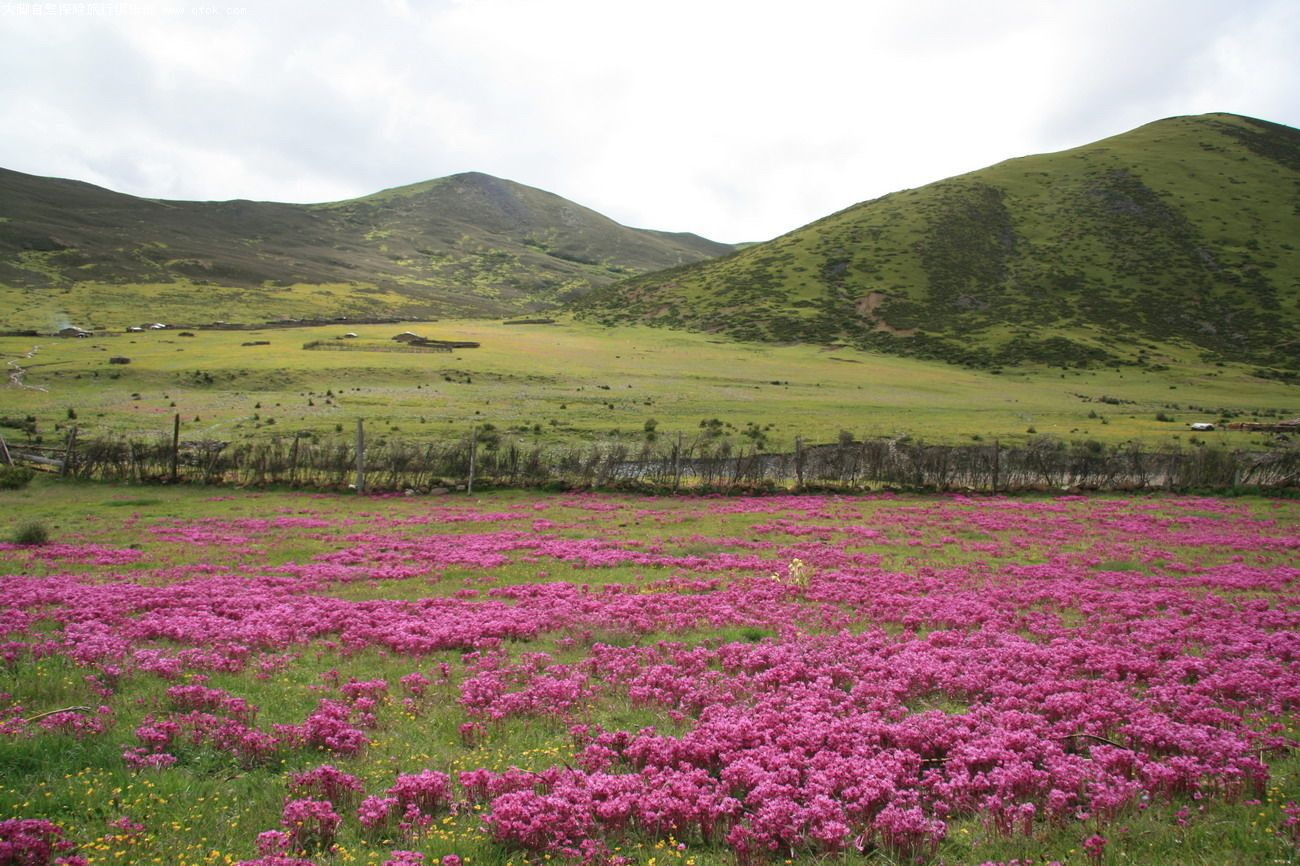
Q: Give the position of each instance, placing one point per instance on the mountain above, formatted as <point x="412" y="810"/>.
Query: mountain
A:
<point x="1182" y="231"/>
<point x="469" y="244"/>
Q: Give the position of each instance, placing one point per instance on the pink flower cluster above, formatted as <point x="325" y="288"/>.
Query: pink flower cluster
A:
<point x="34" y="842"/>
<point x="276" y="860"/>
<point x="330" y="728"/>
<point x="78" y="724"/>
<point x="405" y="858"/>
<point x="408" y="806"/>
<point x="161" y="736"/>
<point x="333" y="726"/>
<point x="342" y="790"/>
<point x="534" y="687"/>
<point x="210" y="700"/>
<point x="311" y="825"/>
<point x="428" y="791"/>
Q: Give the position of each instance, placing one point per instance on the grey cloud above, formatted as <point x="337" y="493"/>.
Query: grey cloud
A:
<point x="760" y="122"/>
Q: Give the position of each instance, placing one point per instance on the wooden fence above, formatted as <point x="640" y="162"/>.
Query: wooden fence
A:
<point x="667" y="464"/>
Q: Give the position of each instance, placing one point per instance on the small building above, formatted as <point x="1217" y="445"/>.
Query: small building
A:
<point x="408" y="337"/>
<point x="350" y="335"/>
<point x="1202" y="426"/>
<point x="74" y="331"/>
<point x="157" y="326"/>
<point x="135" y="329"/>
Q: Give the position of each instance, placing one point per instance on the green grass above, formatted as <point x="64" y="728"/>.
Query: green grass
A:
<point x="575" y="381"/>
<point x="99" y="304"/>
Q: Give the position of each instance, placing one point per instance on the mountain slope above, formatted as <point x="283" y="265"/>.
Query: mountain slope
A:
<point x="1183" y="230"/>
<point x="469" y="244"/>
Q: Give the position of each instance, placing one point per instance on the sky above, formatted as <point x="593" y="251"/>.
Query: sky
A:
<point x="735" y="119"/>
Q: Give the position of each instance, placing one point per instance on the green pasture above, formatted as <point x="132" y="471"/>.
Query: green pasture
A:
<point x="96" y="304"/>
<point x="573" y="381"/>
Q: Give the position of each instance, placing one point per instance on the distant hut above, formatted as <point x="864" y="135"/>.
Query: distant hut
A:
<point x="408" y="337"/>
<point x="74" y="331"/>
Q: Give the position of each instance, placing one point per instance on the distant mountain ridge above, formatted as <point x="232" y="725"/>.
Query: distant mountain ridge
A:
<point x="468" y="244"/>
<point x="1183" y="230"/>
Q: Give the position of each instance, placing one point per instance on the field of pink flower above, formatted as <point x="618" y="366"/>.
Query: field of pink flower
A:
<point x="280" y="679"/>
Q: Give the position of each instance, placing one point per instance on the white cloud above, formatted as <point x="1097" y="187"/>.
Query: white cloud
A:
<point x="738" y="120"/>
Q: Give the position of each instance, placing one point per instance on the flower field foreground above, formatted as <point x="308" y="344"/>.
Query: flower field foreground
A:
<point x="283" y="679"/>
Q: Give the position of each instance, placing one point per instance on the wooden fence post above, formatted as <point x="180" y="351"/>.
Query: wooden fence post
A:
<point x="473" y="448"/>
<point x="70" y="454"/>
<point x="677" y="463"/>
<point x="798" y="464"/>
<point x="293" y="461"/>
<point x="176" y="447"/>
<point x="361" y="457"/>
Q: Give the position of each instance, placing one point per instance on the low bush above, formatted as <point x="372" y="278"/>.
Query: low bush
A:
<point x="32" y="534"/>
<point x="15" y="477"/>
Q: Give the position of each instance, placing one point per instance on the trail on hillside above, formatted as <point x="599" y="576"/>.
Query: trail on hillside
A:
<point x="16" y="372"/>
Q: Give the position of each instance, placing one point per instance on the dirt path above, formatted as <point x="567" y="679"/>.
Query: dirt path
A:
<point x="16" y="372"/>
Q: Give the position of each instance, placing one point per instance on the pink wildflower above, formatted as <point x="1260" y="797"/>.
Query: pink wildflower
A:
<point x="1094" y="847"/>
<point x="312" y="824"/>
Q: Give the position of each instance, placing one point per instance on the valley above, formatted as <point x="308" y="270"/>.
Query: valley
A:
<point x="573" y="381"/>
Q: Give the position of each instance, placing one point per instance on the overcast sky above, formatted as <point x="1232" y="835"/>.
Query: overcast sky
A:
<point x="735" y="119"/>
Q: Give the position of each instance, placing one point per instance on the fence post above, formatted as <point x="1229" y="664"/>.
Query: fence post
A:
<point x="176" y="447"/>
<point x="473" y="448"/>
<point x="361" y="457"/>
<point x="798" y="464"/>
<point x="677" y="463"/>
<point x="70" y="454"/>
<point x="996" y="457"/>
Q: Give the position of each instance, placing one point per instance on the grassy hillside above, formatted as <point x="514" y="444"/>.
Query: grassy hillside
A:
<point x="572" y="382"/>
<point x="469" y="244"/>
<point x="1183" y="232"/>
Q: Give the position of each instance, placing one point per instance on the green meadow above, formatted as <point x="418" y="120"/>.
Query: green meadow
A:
<point x="574" y="381"/>
<point x="209" y="807"/>
<point x="89" y="302"/>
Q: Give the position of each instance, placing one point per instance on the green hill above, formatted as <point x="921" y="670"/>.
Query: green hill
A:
<point x="1183" y="231"/>
<point x="469" y="244"/>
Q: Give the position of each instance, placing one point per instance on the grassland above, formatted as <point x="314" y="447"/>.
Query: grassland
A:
<point x="97" y="304"/>
<point x="577" y="381"/>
